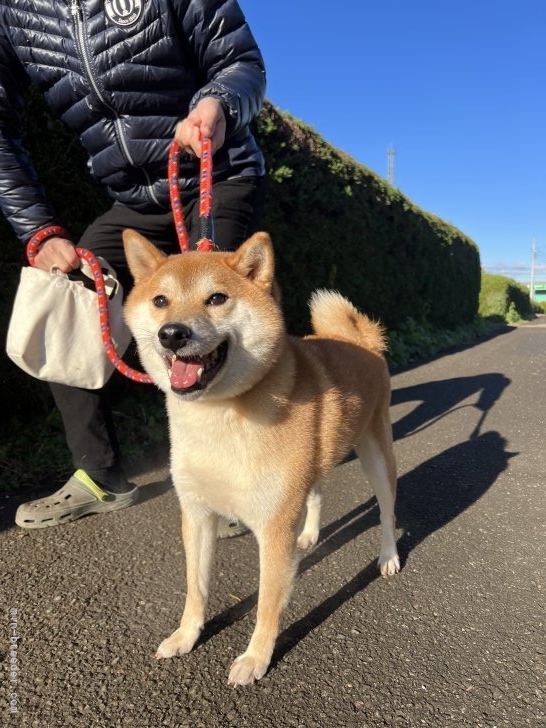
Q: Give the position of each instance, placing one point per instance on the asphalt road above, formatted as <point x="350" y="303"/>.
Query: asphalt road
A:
<point x="456" y="639"/>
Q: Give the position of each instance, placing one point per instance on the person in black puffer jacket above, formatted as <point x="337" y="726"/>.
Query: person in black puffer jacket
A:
<point x="128" y="77"/>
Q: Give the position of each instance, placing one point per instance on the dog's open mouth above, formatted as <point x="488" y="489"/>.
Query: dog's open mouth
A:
<point x="193" y="373"/>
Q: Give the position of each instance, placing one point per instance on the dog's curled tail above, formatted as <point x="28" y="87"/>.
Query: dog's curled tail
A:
<point x="333" y="315"/>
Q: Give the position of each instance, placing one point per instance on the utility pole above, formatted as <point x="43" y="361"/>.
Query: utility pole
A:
<point x="533" y="258"/>
<point x="391" y="151"/>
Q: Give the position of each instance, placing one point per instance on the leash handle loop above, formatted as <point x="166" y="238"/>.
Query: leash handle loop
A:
<point x="51" y="231"/>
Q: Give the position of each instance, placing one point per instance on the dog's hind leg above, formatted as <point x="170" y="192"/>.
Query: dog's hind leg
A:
<point x="199" y="536"/>
<point x="278" y="565"/>
<point x="376" y="455"/>
<point x="310" y="532"/>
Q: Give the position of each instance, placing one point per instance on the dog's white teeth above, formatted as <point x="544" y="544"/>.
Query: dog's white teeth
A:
<point x="200" y="374"/>
<point x="173" y="359"/>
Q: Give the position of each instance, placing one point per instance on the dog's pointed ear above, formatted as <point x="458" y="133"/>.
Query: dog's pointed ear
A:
<point x="142" y="255"/>
<point x="255" y="260"/>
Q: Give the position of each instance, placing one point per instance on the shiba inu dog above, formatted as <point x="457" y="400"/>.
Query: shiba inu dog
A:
<point x="256" y="417"/>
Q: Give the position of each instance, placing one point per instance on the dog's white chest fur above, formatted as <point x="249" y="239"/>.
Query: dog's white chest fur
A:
<point x="220" y="460"/>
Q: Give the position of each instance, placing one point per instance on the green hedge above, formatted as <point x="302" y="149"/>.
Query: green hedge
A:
<point x="504" y="299"/>
<point x="335" y="223"/>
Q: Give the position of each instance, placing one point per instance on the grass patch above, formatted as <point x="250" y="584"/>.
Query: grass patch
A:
<point x="35" y="456"/>
<point x="413" y="341"/>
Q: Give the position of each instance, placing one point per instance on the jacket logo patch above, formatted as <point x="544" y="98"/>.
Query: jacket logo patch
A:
<point x="124" y="12"/>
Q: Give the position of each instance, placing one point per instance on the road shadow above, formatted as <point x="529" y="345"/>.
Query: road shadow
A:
<point x="153" y="490"/>
<point x="440" y="489"/>
<point x="439" y="399"/>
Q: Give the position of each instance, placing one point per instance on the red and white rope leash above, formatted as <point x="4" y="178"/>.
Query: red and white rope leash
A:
<point x="205" y="197"/>
<point x="205" y="244"/>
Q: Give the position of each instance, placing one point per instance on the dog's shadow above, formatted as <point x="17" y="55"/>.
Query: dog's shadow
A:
<point x="429" y="497"/>
<point x="436" y="400"/>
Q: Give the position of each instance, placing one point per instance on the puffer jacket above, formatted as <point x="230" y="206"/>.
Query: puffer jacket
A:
<point x="121" y="74"/>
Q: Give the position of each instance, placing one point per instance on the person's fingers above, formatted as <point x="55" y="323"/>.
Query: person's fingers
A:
<point x="213" y="121"/>
<point x="187" y="134"/>
<point x="206" y="120"/>
<point x="57" y="253"/>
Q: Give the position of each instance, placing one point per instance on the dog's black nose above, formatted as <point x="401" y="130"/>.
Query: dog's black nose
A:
<point x="174" y="336"/>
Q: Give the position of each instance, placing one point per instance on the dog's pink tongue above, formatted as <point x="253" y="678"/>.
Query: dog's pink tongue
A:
<point x="184" y="374"/>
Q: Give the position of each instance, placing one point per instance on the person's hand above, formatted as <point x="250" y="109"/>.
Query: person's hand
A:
<point x="57" y="253"/>
<point x="206" y="120"/>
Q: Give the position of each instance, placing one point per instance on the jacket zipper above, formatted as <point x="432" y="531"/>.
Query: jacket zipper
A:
<point x="81" y="45"/>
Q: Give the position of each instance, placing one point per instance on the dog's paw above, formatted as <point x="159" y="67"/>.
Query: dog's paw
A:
<point x="307" y="539"/>
<point x="246" y="669"/>
<point x="179" y="643"/>
<point x="388" y="566"/>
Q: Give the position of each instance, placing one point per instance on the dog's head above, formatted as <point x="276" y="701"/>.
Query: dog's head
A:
<point x="207" y="325"/>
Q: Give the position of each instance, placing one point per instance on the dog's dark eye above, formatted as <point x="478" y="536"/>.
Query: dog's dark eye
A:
<point x="160" y="301"/>
<point x="217" y="299"/>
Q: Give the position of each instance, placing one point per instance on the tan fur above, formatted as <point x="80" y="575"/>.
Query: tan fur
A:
<point x="255" y="443"/>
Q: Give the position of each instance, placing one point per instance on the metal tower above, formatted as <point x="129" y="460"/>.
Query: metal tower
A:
<point x="391" y="151"/>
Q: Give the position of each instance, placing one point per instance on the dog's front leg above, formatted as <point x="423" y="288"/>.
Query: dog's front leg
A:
<point x="199" y="537"/>
<point x="277" y="569"/>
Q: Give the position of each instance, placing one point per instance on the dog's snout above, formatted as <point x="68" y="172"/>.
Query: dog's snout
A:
<point x="174" y="336"/>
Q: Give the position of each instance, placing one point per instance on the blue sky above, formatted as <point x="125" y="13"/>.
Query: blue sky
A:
<point x="457" y="87"/>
